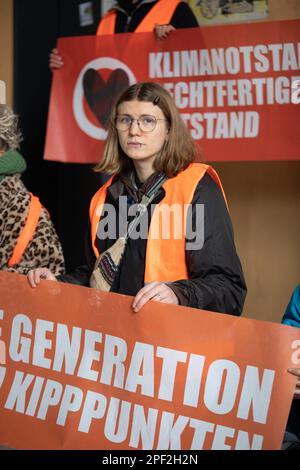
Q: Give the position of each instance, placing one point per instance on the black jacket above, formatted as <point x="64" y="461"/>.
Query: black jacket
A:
<point x="216" y="280"/>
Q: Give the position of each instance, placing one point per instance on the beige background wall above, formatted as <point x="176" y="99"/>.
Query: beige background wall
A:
<point x="6" y="49"/>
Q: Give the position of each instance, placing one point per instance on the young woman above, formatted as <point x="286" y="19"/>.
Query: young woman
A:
<point x="149" y="153"/>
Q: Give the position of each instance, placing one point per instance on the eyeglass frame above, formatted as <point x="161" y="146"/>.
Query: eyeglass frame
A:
<point x="138" y="123"/>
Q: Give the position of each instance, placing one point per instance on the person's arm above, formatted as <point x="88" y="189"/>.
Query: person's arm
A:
<point x="292" y="318"/>
<point x="296" y="372"/>
<point x="216" y="281"/>
<point x="43" y="250"/>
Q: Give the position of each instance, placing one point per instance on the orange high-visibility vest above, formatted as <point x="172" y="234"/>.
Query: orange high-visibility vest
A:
<point x="165" y="258"/>
<point x="26" y="234"/>
<point x="161" y="13"/>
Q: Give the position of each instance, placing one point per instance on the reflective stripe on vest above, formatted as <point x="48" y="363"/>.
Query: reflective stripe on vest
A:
<point x="26" y="234"/>
<point x="160" y="13"/>
<point x="165" y="258"/>
<point x="107" y="24"/>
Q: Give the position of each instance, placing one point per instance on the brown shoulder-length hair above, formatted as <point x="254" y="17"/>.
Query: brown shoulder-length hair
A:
<point x="179" y="150"/>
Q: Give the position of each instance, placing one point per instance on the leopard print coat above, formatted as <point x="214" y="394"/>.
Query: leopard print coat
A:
<point x="44" y="249"/>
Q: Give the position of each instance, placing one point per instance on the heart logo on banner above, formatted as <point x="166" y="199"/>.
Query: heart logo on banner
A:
<point x="101" y="95"/>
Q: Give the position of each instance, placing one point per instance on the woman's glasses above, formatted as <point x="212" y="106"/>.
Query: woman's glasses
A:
<point x="145" y="122"/>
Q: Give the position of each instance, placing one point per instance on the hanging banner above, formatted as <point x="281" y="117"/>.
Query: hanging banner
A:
<point x="80" y="370"/>
<point x="237" y="88"/>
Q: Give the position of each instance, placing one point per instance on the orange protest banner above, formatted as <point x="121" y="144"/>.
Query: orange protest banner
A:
<point x="237" y="87"/>
<point x="82" y="371"/>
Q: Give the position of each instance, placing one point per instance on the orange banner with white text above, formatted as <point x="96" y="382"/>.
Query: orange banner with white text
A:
<point x="80" y="370"/>
<point x="237" y="87"/>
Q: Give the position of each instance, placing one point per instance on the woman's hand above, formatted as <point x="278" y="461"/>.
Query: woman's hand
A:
<point x="296" y="371"/>
<point x="35" y="275"/>
<point x="55" y="60"/>
<point x="162" y="31"/>
<point x="158" y="291"/>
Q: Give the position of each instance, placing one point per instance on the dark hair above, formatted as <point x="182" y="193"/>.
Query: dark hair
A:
<point x="179" y="150"/>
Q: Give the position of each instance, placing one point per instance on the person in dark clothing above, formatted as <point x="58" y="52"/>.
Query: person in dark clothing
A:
<point x="150" y="153"/>
<point x="27" y="235"/>
<point x="130" y="14"/>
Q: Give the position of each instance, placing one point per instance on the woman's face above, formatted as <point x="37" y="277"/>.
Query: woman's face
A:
<point x="138" y="145"/>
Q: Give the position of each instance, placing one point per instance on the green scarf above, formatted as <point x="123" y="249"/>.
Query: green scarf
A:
<point x="11" y="162"/>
